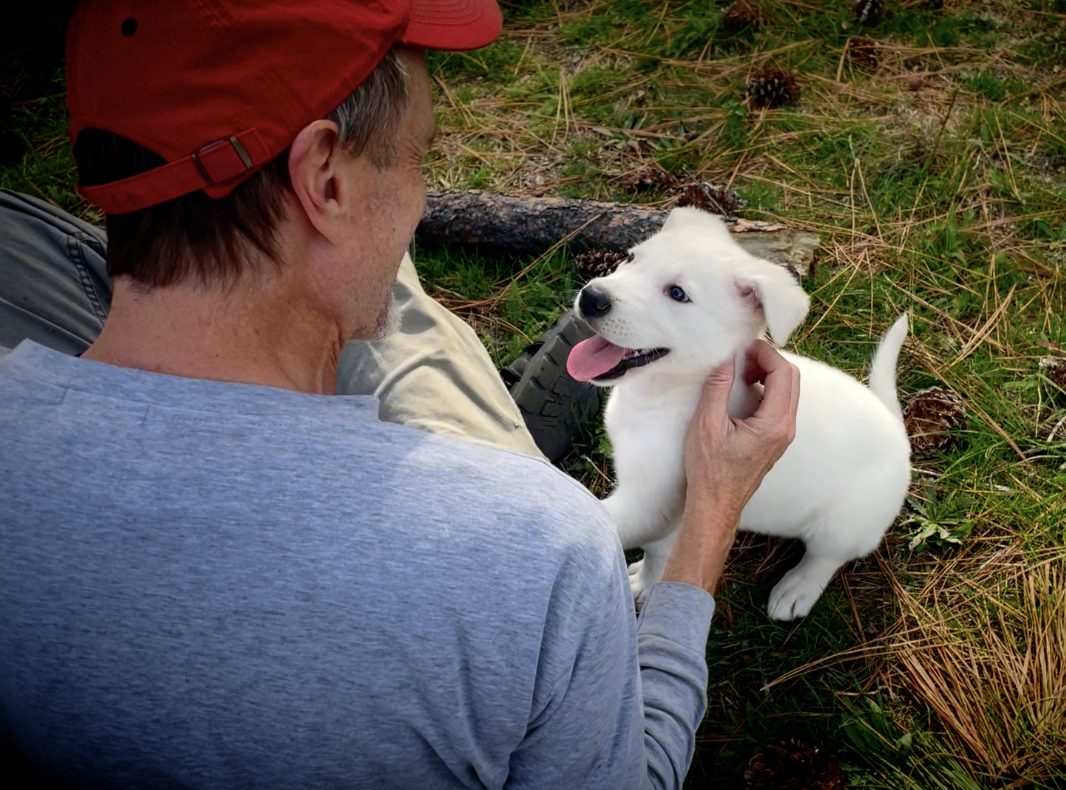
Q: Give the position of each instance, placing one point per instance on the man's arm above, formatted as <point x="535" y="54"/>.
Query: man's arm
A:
<point x="618" y="699"/>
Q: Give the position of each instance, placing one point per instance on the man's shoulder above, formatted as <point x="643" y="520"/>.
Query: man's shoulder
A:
<point x="279" y="449"/>
<point x="520" y="490"/>
<point x="491" y="462"/>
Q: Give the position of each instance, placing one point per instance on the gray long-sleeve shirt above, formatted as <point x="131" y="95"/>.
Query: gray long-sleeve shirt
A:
<point x="206" y="584"/>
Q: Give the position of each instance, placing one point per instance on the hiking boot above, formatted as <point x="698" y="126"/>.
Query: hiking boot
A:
<point x="554" y="405"/>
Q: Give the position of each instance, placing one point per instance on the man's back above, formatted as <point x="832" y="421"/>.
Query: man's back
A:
<point x="225" y="585"/>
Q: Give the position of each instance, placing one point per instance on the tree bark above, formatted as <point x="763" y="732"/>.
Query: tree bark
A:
<point x="531" y="226"/>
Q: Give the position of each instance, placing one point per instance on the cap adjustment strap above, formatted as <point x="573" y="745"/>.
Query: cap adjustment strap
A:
<point x="215" y="163"/>
<point x="214" y="156"/>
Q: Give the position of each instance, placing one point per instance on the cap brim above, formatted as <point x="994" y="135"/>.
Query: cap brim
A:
<point x="455" y="25"/>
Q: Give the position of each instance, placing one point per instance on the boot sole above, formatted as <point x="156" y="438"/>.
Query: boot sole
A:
<point x="553" y="404"/>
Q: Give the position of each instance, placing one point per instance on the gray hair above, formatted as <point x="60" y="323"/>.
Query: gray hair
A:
<point x="367" y="121"/>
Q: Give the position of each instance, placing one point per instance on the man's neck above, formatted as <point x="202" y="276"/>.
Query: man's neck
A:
<point x="273" y="338"/>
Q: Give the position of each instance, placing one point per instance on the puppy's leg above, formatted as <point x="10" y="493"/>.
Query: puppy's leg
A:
<point x="853" y="529"/>
<point x="647" y="571"/>
<point x="797" y="591"/>
<point x="843" y="536"/>
<point x="645" y="513"/>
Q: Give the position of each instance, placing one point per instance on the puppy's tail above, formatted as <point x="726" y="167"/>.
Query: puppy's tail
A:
<point x="883" y="366"/>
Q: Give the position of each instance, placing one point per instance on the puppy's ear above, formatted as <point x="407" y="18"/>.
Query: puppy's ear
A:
<point x="774" y="293"/>
<point x="690" y="219"/>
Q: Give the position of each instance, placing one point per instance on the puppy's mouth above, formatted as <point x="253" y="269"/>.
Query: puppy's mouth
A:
<point x="598" y="359"/>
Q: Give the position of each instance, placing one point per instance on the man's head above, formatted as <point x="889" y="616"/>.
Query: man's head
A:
<point x="220" y="136"/>
<point x="361" y="207"/>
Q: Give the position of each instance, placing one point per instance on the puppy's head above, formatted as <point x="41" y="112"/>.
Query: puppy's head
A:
<point x="688" y="299"/>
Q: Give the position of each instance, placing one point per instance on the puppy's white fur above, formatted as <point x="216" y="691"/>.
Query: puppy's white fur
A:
<point x="840" y="484"/>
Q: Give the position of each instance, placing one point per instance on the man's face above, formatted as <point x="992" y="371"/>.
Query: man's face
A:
<point x="389" y="205"/>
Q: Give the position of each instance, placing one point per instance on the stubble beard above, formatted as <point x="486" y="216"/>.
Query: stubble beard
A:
<point x="388" y="321"/>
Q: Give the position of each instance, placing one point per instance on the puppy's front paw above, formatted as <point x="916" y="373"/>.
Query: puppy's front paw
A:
<point x="795" y="594"/>
<point x="638" y="583"/>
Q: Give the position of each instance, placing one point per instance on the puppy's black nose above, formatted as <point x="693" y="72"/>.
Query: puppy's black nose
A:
<point x="594" y="303"/>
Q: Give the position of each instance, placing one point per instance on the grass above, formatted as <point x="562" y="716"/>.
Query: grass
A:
<point x="991" y="662"/>
<point x="937" y="184"/>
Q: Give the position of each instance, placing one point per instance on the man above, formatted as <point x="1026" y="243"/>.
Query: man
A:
<point x="217" y="573"/>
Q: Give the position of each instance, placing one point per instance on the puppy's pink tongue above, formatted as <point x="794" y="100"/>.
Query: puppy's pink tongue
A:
<point x="593" y="357"/>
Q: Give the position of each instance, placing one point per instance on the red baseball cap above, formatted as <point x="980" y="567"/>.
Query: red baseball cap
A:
<point x="218" y="88"/>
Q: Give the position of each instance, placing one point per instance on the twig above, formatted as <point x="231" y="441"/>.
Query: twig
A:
<point x="936" y="144"/>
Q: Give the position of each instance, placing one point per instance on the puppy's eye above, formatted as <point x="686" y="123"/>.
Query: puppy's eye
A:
<point x="677" y="294"/>
<point x="629" y="257"/>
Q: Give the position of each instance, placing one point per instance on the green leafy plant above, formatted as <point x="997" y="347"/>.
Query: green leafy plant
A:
<point x="938" y="523"/>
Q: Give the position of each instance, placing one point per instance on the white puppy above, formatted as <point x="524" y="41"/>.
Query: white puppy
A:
<point x="689" y="299"/>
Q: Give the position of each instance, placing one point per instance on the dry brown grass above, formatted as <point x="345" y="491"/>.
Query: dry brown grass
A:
<point x="987" y="654"/>
<point x="979" y="641"/>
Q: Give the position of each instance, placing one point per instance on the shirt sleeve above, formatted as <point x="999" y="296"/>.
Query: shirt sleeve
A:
<point x="672" y="651"/>
<point x="619" y="698"/>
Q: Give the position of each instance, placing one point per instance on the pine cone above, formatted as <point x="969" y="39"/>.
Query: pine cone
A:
<point x="712" y="199"/>
<point x="1055" y="369"/>
<point x="598" y="262"/>
<point x="863" y="52"/>
<point x="790" y="765"/>
<point x="772" y="88"/>
<point x="869" y="12"/>
<point x="742" y="14"/>
<point x="648" y="179"/>
<point x="929" y="417"/>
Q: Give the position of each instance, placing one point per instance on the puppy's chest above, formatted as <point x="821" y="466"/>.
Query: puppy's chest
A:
<point x="648" y="418"/>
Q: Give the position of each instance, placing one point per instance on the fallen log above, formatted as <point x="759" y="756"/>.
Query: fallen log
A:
<point x="530" y="226"/>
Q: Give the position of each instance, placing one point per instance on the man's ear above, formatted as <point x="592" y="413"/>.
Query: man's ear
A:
<point x="772" y="291"/>
<point x="313" y="160"/>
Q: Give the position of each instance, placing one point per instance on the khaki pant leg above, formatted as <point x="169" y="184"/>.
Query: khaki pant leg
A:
<point x="434" y="374"/>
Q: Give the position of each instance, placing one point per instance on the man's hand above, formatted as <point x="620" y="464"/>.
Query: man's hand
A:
<point x="726" y="459"/>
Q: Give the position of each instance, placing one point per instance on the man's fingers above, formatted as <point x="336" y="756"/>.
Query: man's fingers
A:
<point x="718" y="383"/>
<point x="755" y="362"/>
<point x="778" y="377"/>
<point x="752" y="372"/>
<point x="794" y="406"/>
<point x="762" y="358"/>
